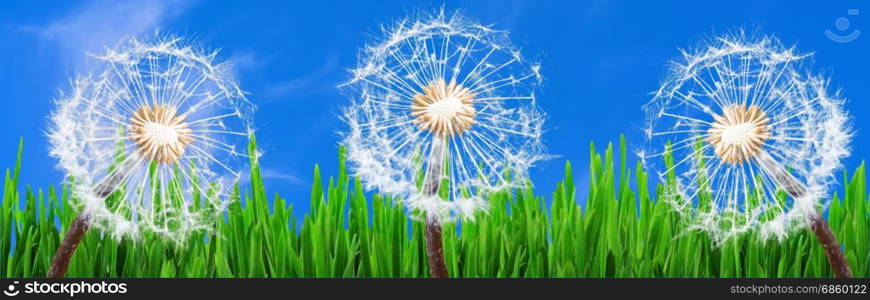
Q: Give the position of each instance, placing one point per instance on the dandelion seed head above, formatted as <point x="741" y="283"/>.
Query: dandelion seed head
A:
<point x="159" y="133"/>
<point x="443" y="78"/>
<point x="739" y="133"/>
<point x="445" y="109"/>
<point x="149" y="141"/>
<point x="746" y="126"/>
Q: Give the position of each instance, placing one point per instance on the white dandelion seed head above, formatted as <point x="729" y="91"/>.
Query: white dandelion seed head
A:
<point x="443" y="80"/>
<point x="162" y="128"/>
<point x="748" y="126"/>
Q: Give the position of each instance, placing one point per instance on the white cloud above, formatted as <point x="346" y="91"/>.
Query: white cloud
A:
<point x="273" y="174"/>
<point x="247" y="60"/>
<point x="283" y="176"/>
<point x="307" y="81"/>
<point x="97" y="24"/>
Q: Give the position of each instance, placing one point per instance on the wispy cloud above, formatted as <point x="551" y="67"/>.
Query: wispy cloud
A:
<point x="283" y="176"/>
<point x="97" y="24"/>
<point x="247" y="60"/>
<point x="274" y="174"/>
<point x="308" y="81"/>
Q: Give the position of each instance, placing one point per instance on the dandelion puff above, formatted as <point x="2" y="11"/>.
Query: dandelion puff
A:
<point x="442" y="90"/>
<point x="447" y="98"/>
<point x="754" y="140"/>
<point x="153" y="141"/>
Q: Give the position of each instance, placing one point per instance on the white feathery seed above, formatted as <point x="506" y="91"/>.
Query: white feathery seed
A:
<point x="162" y="128"/>
<point x="746" y="122"/>
<point x="443" y="81"/>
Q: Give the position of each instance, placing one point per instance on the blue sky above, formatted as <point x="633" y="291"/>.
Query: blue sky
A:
<point x="600" y="60"/>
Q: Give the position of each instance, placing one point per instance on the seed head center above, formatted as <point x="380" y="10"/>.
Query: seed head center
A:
<point x="160" y="134"/>
<point x="739" y="133"/>
<point x="445" y="109"/>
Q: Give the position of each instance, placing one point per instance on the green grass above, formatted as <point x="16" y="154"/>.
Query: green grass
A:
<point x="619" y="232"/>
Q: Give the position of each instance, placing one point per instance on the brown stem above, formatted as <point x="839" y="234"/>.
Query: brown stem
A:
<point x="832" y="248"/>
<point x="79" y="226"/>
<point x="432" y="184"/>
<point x="435" y="250"/>
<point x="71" y="241"/>
<point x="820" y="227"/>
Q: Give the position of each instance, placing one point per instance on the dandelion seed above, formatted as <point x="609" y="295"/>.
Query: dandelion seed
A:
<point x="739" y="133"/>
<point x="445" y="109"/>
<point x="452" y="97"/>
<point x="150" y="140"/>
<point x="159" y="134"/>
<point x="747" y="126"/>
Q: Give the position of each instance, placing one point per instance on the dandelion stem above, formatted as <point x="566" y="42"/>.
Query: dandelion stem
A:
<point x="80" y="226"/>
<point x="60" y="262"/>
<point x="435" y="250"/>
<point x="819" y="225"/>
<point x="432" y="183"/>
<point x="832" y="247"/>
